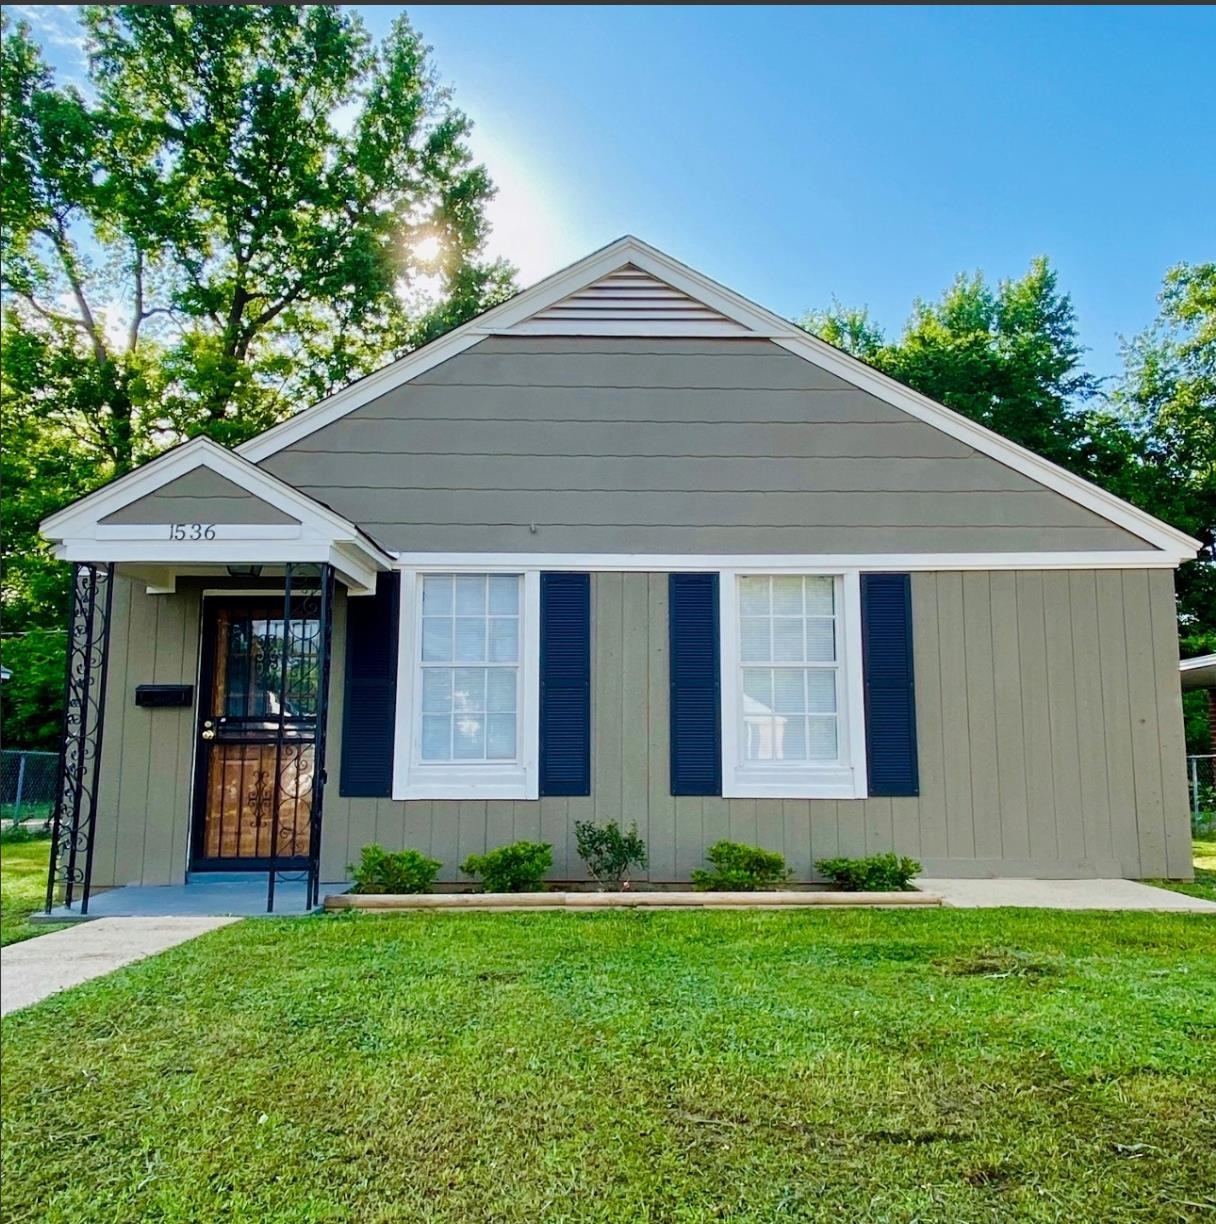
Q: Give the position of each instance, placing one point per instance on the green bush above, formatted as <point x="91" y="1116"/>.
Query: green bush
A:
<point x="608" y="852"/>
<point x="402" y="871"/>
<point x="519" y="867"/>
<point x="740" y="868"/>
<point x="878" y="873"/>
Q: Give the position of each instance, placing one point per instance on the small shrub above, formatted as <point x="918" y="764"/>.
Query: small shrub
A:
<point x="608" y="852"/>
<point x="519" y="867"/>
<point x="740" y="868"/>
<point x="402" y="871"/>
<point x="878" y="873"/>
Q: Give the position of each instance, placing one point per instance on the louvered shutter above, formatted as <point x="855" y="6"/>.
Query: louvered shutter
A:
<point x="696" y="724"/>
<point x="565" y="684"/>
<point x="886" y="638"/>
<point x="370" y="693"/>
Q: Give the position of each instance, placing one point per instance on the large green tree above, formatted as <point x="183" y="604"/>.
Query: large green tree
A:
<point x="245" y="207"/>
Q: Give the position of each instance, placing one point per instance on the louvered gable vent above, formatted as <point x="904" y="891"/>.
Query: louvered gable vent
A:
<point x="630" y="301"/>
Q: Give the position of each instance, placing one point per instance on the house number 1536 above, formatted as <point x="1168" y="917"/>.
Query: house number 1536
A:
<point x="192" y="531"/>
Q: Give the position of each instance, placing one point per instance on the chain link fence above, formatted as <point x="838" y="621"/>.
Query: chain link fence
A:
<point x="1201" y="787"/>
<point x="27" y="788"/>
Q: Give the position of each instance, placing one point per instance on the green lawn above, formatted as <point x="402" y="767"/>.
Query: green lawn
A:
<point x="1204" y="884"/>
<point x="23" y="888"/>
<point x="858" y="1065"/>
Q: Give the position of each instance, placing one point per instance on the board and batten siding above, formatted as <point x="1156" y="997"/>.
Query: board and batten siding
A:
<point x="572" y="444"/>
<point x="1048" y="720"/>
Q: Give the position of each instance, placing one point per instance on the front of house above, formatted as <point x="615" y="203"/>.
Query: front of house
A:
<point x="627" y="547"/>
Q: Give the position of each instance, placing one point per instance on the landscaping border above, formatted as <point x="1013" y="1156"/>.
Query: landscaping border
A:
<point x="784" y="899"/>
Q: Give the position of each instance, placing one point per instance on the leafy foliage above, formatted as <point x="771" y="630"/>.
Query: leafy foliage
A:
<point x="244" y="208"/>
<point x="609" y="851"/>
<point x="401" y="871"/>
<point x="519" y="867"/>
<point x="33" y="698"/>
<point x="737" y="867"/>
<point x="877" y="873"/>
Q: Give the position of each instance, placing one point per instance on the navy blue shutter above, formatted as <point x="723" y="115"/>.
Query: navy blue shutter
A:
<point x="369" y="706"/>
<point x="696" y="719"/>
<point x="886" y="643"/>
<point x="565" y="684"/>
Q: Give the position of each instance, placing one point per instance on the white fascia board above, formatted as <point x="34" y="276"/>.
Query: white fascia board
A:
<point x="781" y="562"/>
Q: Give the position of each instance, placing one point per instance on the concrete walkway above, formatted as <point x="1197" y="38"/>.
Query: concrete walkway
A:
<point x="35" y="968"/>
<point x="1063" y="894"/>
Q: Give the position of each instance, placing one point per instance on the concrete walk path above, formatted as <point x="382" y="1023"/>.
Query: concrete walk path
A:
<point x="1063" y="894"/>
<point x="35" y="968"/>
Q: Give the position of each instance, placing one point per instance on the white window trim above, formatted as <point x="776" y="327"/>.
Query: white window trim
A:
<point x="415" y="779"/>
<point x="845" y="780"/>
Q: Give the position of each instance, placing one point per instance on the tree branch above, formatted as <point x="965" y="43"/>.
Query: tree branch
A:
<point x="59" y="240"/>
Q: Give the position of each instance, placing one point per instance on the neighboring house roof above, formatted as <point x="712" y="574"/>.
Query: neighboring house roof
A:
<point x="788" y="403"/>
<point x="1199" y="672"/>
<point x="5" y="674"/>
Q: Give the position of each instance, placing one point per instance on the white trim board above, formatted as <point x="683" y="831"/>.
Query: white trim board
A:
<point x="517" y="316"/>
<point x="675" y="563"/>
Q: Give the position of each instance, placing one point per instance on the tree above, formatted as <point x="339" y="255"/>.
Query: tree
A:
<point x="248" y="207"/>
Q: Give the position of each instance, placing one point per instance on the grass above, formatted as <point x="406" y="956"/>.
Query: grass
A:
<point x="23" y="865"/>
<point x="860" y="1065"/>
<point x="1204" y="884"/>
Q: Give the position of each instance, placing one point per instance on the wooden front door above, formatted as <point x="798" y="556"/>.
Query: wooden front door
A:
<point x="251" y="728"/>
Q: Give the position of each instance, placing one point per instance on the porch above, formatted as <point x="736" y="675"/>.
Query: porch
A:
<point x="242" y="571"/>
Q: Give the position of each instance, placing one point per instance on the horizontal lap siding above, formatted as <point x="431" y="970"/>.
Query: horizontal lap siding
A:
<point x="545" y="444"/>
<point x="1049" y="739"/>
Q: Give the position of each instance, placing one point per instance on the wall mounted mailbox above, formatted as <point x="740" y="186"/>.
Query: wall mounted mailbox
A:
<point x="158" y="695"/>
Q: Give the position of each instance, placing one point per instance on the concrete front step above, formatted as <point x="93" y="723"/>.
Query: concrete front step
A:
<point x="783" y="899"/>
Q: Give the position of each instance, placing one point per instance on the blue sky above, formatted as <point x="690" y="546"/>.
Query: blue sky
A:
<point x="869" y="154"/>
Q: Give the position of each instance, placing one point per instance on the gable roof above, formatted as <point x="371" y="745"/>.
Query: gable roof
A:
<point x="629" y="288"/>
<point x="254" y="515"/>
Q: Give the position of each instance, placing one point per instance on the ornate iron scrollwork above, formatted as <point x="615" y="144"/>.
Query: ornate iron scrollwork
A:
<point x="75" y="819"/>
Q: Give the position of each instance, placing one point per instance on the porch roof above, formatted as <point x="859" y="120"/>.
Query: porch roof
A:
<point x="200" y="508"/>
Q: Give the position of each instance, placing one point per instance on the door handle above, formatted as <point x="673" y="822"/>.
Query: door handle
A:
<point x="208" y="734"/>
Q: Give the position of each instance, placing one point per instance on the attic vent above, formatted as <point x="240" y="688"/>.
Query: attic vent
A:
<point x="630" y="302"/>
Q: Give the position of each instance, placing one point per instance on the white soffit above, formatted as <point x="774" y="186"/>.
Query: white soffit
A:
<point x="589" y="298"/>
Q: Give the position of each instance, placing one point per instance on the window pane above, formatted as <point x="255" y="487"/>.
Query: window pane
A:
<point x="791" y="738"/>
<point x="820" y="640"/>
<point x="469" y="738"/>
<point x="500" y="689"/>
<point x="436" y="690"/>
<point x="822" y="738"/>
<point x="469" y="688"/>
<point x="470" y="594"/>
<point x="504" y="639"/>
<point x="788" y="695"/>
<point x="757" y="690"/>
<point x="436" y="737"/>
<point x="820" y="596"/>
<point x="787" y="639"/>
<point x="470" y="639"/>
<point x="787" y="596"/>
<point x="504" y="594"/>
<point x="755" y="645"/>
<point x="437" y="595"/>
<point x="436" y="640"/>
<point x="821" y="689"/>
<point x="757" y="739"/>
<point x="500" y="737"/>
<point x="753" y="596"/>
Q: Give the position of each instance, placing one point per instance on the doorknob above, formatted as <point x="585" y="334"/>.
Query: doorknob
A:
<point x="208" y="734"/>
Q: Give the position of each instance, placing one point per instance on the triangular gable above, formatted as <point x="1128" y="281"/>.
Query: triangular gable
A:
<point x="201" y="504"/>
<point x="573" y="302"/>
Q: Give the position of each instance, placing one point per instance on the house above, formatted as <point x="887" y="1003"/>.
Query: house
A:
<point x="627" y="546"/>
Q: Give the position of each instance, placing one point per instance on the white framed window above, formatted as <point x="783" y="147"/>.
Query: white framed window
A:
<point x="468" y="686"/>
<point x="793" y="722"/>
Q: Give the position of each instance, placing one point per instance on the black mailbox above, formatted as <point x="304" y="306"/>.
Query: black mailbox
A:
<point x="159" y="695"/>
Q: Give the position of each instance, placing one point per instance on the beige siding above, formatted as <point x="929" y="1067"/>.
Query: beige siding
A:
<point x="573" y="444"/>
<point x="1049" y="733"/>
<point x="201" y="496"/>
<point x="1048" y="719"/>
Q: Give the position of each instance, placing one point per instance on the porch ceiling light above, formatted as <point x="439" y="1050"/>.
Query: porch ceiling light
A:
<point x="244" y="571"/>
